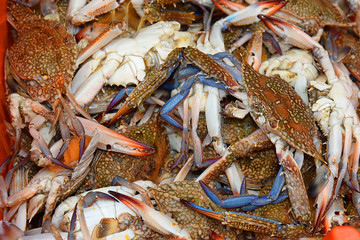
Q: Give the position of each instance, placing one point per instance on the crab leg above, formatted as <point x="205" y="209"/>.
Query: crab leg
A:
<point x="93" y="9"/>
<point x="256" y="141"/>
<point x="113" y="141"/>
<point x="296" y="37"/>
<point x="195" y="111"/>
<point x="249" y="14"/>
<point x="250" y="222"/>
<point x="33" y="126"/>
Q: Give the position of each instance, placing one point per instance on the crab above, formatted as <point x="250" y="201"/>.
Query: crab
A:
<point x="42" y="61"/>
<point x="313" y="16"/>
<point x="110" y="164"/>
<point x="336" y="105"/>
<point x="133" y="216"/>
<point x="125" y="61"/>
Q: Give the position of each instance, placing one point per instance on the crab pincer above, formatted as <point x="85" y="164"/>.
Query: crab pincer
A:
<point x="251" y="223"/>
<point x="159" y="221"/>
<point x="114" y="141"/>
<point x="249" y="14"/>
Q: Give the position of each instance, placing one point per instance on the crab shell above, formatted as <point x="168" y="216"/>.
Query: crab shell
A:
<point x="43" y="56"/>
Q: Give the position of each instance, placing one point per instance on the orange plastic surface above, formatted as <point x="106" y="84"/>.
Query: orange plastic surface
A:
<point x="5" y="141"/>
<point x="4" y="137"/>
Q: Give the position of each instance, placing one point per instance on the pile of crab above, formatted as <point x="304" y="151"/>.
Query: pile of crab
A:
<point x="192" y="119"/>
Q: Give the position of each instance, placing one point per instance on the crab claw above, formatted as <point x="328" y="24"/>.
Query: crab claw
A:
<point x="231" y="202"/>
<point x="227" y="6"/>
<point x="249" y="14"/>
<point x="113" y="141"/>
<point x="92" y="9"/>
<point x="159" y="221"/>
<point x="290" y="33"/>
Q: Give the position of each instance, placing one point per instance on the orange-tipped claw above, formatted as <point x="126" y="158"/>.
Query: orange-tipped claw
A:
<point x="124" y="109"/>
<point x="227" y="6"/>
<point x="290" y="33"/>
<point x="157" y="220"/>
<point x="249" y="14"/>
<point x="114" y="141"/>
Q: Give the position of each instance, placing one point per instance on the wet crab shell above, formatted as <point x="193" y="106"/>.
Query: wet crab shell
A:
<point x="43" y="56"/>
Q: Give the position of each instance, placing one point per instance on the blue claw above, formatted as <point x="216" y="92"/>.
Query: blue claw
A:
<point x="278" y="185"/>
<point x="231" y="202"/>
<point x="251" y="207"/>
<point x="210" y="81"/>
<point x="166" y="110"/>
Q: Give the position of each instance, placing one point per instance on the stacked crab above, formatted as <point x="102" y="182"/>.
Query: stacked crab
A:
<point x="180" y="105"/>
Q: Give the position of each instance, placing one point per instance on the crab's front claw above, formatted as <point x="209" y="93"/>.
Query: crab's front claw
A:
<point x="159" y="221"/>
<point x="231" y="202"/>
<point x="228" y="7"/>
<point x="166" y="110"/>
<point x="249" y="14"/>
<point x="113" y="141"/>
<point x="290" y="33"/>
<point x="250" y="222"/>
<point x="92" y="9"/>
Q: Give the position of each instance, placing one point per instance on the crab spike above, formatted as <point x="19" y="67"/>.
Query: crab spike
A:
<point x="249" y="14"/>
<point x="114" y="141"/>
<point x="153" y="218"/>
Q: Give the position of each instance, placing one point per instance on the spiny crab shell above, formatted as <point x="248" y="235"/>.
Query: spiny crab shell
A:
<point x="43" y="56"/>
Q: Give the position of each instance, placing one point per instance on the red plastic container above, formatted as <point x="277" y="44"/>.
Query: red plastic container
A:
<point x="338" y="233"/>
<point x="5" y="141"/>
